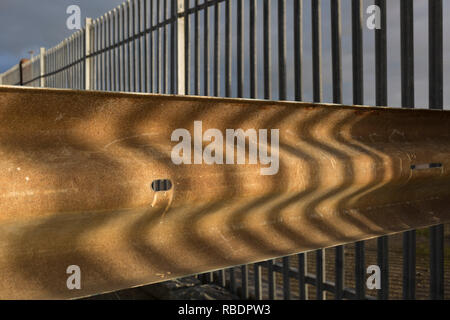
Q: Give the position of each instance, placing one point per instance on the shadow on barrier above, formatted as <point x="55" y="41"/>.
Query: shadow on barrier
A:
<point x="298" y="218"/>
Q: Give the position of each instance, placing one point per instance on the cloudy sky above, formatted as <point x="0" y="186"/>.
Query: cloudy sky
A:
<point x="29" y="24"/>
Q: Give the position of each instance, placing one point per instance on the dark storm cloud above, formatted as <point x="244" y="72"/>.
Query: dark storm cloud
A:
<point x="29" y="24"/>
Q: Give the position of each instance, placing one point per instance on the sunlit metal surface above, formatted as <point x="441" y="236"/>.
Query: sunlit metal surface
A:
<point x="76" y="173"/>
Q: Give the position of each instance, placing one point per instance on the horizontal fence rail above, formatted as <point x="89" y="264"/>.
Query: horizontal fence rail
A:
<point x="260" y="49"/>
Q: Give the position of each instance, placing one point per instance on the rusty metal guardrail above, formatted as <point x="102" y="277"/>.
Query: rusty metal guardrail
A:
<point x="78" y="167"/>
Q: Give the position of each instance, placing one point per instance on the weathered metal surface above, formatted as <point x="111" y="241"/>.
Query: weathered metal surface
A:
<point x="76" y="170"/>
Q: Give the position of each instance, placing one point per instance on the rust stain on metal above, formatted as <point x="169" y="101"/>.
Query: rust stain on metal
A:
<point x="76" y="190"/>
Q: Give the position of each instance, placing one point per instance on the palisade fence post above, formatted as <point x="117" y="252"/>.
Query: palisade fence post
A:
<point x="42" y="67"/>
<point x="180" y="48"/>
<point x="436" y="87"/>
<point x="87" y="52"/>
<point x="29" y="82"/>
<point x="21" y="72"/>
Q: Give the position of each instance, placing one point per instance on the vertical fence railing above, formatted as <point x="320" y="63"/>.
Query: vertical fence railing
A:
<point x="358" y="99"/>
<point x="227" y="48"/>
<point x="336" y="33"/>
<point x="407" y="82"/>
<point x="435" y="78"/>
<point x="316" y="35"/>
<point x="381" y="99"/>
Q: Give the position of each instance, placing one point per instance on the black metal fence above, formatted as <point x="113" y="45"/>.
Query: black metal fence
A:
<point x="256" y="49"/>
